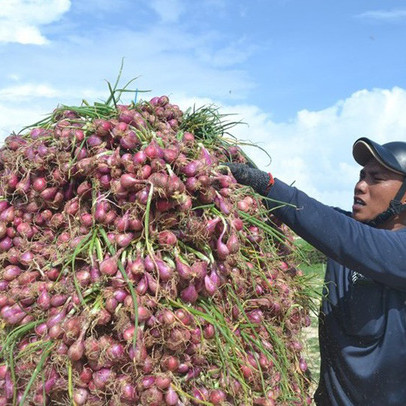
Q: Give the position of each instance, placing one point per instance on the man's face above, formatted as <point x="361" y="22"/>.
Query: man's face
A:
<point x="376" y="187"/>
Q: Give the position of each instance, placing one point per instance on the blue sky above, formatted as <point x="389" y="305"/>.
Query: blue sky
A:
<point x="307" y="76"/>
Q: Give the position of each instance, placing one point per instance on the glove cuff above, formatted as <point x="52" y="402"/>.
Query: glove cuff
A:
<point x="263" y="182"/>
<point x="270" y="183"/>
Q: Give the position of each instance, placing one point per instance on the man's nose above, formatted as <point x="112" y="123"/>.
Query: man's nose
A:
<point x="361" y="185"/>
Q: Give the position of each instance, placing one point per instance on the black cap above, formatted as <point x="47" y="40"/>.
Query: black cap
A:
<point x="391" y="155"/>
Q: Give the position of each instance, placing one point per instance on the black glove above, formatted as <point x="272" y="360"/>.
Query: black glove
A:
<point x="259" y="180"/>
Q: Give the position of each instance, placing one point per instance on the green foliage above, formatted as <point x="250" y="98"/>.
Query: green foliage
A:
<point x="313" y="264"/>
<point x="311" y="256"/>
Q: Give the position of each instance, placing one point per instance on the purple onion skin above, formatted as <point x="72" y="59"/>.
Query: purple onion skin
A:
<point x="109" y="266"/>
<point x="164" y="270"/>
<point x="5" y="244"/>
<point x="210" y="286"/>
<point x="57" y="318"/>
<point x="102" y="377"/>
<point x="222" y="250"/>
<point x="171" y="397"/>
<point x="184" y="270"/>
<point x="76" y="350"/>
<point x="80" y="396"/>
<point x="11" y="272"/>
<point x="189" y="294"/>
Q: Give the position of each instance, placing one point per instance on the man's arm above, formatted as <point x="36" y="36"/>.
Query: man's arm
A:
<point x="375" y="253"/>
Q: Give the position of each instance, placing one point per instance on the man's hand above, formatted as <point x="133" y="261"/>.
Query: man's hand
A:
<point x="260" y="181"/>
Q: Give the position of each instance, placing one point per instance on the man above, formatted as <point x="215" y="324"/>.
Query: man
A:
<point x="362" y="323"/>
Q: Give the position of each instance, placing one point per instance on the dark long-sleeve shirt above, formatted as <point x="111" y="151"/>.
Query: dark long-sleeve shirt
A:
<point x="362" y="327"/>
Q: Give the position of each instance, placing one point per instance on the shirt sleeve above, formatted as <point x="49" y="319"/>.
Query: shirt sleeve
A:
<point x="375" y="253"/>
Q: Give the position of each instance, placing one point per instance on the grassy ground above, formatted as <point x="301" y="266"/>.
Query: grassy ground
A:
<point x="314" y="266"/>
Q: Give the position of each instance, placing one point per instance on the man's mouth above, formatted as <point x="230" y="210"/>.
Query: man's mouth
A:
<point x="358" y="202"/>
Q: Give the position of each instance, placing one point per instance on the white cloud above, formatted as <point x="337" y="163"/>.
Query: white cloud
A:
<point x="27" y="92"/>
<point x="168" y="10"/>
<point x="314" y="149"/>
<point x="13" y="119"/>
<point x="20" y="20"/>
<point x="97" y="6"/>
<point x="23" y="34"/>
<point x="25" y="104"/>
<point x="233" y="53"/>
<point x="384" y="15"/>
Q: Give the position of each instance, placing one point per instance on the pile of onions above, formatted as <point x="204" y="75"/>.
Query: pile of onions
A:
<point x="135" y="270"/>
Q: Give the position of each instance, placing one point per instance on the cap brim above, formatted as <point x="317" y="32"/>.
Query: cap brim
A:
<point x="364" y="149"/>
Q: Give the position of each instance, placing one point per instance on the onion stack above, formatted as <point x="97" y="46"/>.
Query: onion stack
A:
<point x="134" y="270"/>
